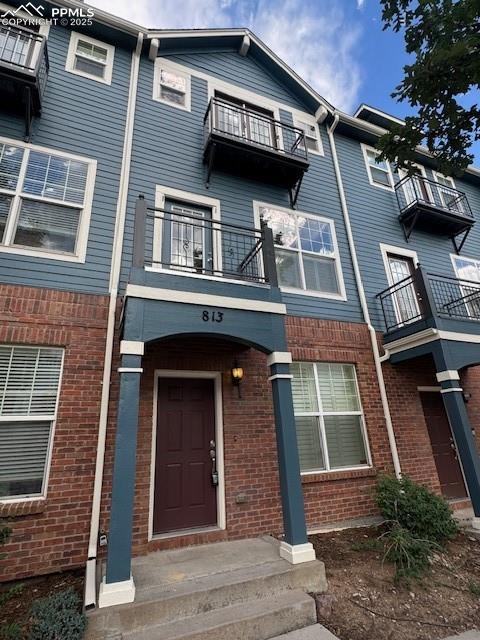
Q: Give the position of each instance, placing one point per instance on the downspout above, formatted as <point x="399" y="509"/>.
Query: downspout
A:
<point x="363" y="301"/>
<point x="90" y="571"/>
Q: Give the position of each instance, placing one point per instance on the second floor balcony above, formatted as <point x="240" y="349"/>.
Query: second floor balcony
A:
<point x="430" y="301"/>
<point x="245" y="142"/>
<point x="23" y="71"/>
<point x="434" y="207"/>
<point x="180" y="249"/>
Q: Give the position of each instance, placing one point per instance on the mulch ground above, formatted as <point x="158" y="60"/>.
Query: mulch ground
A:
<point x="364" y="603"/>
<point x="16" y="609"/>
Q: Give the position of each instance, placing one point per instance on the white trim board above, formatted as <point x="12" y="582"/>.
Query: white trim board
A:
<point x="216" y="376"/>
<point x="205" y="299"/>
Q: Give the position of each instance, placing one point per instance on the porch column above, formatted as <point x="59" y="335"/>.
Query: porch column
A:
<point x="117" y="585"/>
<point x="452" y="395"/>
<point x="295" y="548"/>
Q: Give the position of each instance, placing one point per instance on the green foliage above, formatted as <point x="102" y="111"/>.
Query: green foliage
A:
<point x="5" y="533"/>
<point x="57" y="617"/>
<point x="443" y="38"/>
<point x="425" y="515"/>
<point x="474" y="588"/>
<point x="11" y="631"/>
<point x="8" y="594"/>
<point x="409" y="554"/>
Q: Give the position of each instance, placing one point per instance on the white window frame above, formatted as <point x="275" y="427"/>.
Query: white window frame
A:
<point x="387" y="249"/>
<point x="85" y="211"/>
<point x="453" y="258"/>
<point x="423" y="173"/>
<point x="298" y="117"/>
<point x="38" y="418"/>
<point x="436" y="176"/>
<point x="75" y="37"/>
<point x="342" y="295"/>
<point x="165" y="64"/>
<point x="320" y="414"/>
<point x="390" y="187"/>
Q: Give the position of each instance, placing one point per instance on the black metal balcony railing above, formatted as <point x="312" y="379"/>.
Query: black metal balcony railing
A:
<point x="414" y="190"/>
<point x="24" y="52"/>
<point x="194" y="245"/>
<point x="249" y="126"/>
<point x="426" y="295"/>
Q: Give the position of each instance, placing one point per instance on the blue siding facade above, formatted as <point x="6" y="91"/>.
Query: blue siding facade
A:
<point x="374" y="216"/>
<point x="168" y="150"/>
<point x="87" y="118"/>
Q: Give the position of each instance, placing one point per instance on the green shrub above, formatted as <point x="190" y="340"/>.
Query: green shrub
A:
<point x="5" y="533"/>
<point x="425" y="515"/>
<point x="57" y="617"/>
<point x="11" y="631"/>
<point x="410" y="555"/>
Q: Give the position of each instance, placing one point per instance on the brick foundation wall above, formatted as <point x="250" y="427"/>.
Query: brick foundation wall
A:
<point x="52" y="534"/>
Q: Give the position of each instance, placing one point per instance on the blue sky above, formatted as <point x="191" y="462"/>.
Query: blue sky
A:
<point x="338" y="46"/>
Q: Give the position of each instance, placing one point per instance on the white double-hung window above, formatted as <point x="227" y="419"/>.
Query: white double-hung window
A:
<point x="328" y="417"/>
<point x="379" y="172"/>
<point x="45" y="201"/>
<point x="29" y="388"/>
<point x="171" y="85"/>
<point x="306" y="251"/>
<point x="90" y="58"/>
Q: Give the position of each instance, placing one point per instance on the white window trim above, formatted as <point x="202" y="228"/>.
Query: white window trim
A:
<point x="321" y="414"/>
<point x="342" y="295"/>
<point x="85" y="211"/>
<point x="437" y="174"/>
<point x="72" y="50"/>
<point x="161" y="194"/>
<point x="53" y="420"/>
<point x="164" y="63"/>
<point x="365" y="149"/>
<point x="309" y="119"/>
<point x="385" y="249"/>
<point x="453" y="258"/>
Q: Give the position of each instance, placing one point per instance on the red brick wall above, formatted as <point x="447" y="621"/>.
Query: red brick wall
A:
<point x="52" y="534"/>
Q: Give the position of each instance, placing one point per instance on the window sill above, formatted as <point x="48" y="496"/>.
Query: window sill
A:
<point x="314" y="294"/>
<point x="22" y="251"/>
<point x="22" y="507"/>
<point x="346" y="474"/>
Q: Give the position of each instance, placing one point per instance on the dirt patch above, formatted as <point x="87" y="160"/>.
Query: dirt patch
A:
<point x="16" y="609"/>
<point x="363" y="603"/>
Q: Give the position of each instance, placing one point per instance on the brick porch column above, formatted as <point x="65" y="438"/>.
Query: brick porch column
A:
<point x="295" y="548"/>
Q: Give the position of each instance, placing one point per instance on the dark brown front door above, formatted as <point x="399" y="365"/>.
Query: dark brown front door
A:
<point x="443" y="446"/>
<point x="185" y="496"/>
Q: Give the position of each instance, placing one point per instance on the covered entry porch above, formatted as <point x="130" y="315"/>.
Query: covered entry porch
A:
<point x="197" y="458"/>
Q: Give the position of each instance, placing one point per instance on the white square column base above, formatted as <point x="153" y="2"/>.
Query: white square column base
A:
<point x="297" y="553"/>
<point x="116" y="593"/>
<point x="475" y="523"/>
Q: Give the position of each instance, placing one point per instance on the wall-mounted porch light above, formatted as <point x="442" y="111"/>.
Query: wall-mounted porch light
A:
<point x="237" y="377"/>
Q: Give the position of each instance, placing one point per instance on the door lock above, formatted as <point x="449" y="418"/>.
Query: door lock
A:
<point x="213" y="457"/>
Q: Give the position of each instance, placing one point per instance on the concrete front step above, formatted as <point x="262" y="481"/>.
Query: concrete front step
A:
<point x="187" y="582"/>
<point x="314" y="632"/>
<point x="255" y="620"/>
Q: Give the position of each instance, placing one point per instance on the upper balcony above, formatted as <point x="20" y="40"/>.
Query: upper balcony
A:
<point x="181" y="249"/>
<point x="244" y="142"/>
<point x="434" y="207"/>
<point x="23" y="71"/>
<point x="430" y="301"/>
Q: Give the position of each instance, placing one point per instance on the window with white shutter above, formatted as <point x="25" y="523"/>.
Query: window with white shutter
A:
<point x="45" y="201"/>
<point x="328" y="417"/>
<point x="29" y="386"/>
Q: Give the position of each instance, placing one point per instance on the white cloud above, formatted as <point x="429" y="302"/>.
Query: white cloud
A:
<point x="313" y="38"/>
<point x="360" y="4"/>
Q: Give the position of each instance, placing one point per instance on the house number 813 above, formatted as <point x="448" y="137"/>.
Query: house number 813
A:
<point x="212" y="316"/>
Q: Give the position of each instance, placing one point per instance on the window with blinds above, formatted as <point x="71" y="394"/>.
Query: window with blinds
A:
<point x="42" y="199"/>
<point x="328" y="417"/>
<point x="29" y="386"/>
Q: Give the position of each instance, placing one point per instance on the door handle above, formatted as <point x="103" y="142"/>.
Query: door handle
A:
<point x="213" y="457"/>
